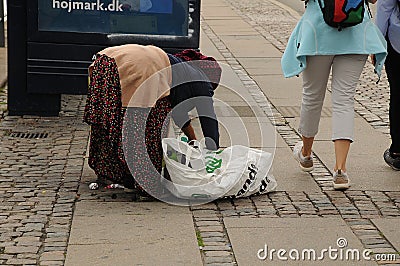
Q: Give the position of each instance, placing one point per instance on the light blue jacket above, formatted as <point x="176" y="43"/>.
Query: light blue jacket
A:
<point x="312" y="36"/>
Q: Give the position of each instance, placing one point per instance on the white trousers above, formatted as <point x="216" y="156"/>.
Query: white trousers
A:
<point x="346" y="71"/>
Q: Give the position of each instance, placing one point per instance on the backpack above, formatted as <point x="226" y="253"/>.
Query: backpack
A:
<point x="343" y="13"/>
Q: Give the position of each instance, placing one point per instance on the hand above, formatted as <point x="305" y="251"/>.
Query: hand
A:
<point x="189" y="132"/>
<point x="373" y="59"/>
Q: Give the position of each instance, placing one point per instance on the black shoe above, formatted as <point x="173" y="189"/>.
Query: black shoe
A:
<point x="392" y="160"/>
<point x="129" y="182"/>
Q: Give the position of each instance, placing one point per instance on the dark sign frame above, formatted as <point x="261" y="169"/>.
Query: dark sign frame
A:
<point x="101" y="39"/>
<point x="42" y="65"/>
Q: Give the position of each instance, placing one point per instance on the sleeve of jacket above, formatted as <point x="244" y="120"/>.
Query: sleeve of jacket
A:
<point x="383" y="11"/>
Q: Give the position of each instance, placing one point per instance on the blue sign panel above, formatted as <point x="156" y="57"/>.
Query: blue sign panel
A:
<point x="155" y="17"/>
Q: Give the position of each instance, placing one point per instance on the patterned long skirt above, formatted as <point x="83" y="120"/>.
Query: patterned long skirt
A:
<point x="142" y="134"/>
<point x="125" y="144"/>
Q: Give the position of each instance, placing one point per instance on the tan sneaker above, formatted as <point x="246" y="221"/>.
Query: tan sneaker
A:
<point x="341" y="180"/>
<point x="306" y="163"/>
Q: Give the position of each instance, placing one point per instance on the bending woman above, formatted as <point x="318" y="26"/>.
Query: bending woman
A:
<point x="132" y="90"/>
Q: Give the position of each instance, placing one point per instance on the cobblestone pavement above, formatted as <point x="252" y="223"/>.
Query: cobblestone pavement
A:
<point x="276" y="24"/>
<point x="357" y="208"/>
<point x="41" y="161"/>
<point x="40" y="171"/>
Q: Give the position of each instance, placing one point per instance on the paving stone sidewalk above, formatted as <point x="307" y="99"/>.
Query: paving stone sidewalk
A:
<point x="42" y="162"/>
<point x="356" y="208"/>
<point x="276" y="24"/>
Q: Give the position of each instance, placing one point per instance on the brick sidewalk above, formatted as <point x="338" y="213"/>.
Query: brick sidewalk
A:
<point x="42" y="160"/>
<point x="357" y="208"/>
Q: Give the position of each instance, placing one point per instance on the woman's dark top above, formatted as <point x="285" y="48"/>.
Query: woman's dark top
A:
<point x="191" y="89"/>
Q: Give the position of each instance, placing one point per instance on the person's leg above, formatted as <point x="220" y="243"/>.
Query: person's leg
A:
<point x="315" y="79"/>
<point x="342" y="147"/>
<point x="392" y="66"/>
<point x="346" y="71"/>
<point x="307" y="146"/>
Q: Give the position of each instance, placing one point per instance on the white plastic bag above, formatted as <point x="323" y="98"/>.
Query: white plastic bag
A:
<point x="236" y="171"/>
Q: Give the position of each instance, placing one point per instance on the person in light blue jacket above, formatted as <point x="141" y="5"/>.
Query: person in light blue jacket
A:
<point x="314" y="49"/>
<point x="388" y="21"/>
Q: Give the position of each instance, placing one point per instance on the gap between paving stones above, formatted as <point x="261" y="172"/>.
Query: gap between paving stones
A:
<point x="213" y="239"/>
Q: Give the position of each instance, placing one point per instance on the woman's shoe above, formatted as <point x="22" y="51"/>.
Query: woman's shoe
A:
<point x="341" y="180"/>
<point x="392" y="160"/>
<point x="306" y="163"/>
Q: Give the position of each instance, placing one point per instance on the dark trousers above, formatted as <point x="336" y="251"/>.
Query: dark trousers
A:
<point x="392" y="66"/>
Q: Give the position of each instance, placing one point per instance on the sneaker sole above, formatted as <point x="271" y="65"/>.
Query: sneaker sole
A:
<point x="388" y="163"/>
<point x="306" y="169"/>
<point x="341" y="186"/>
<point x="394" y="168"/>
